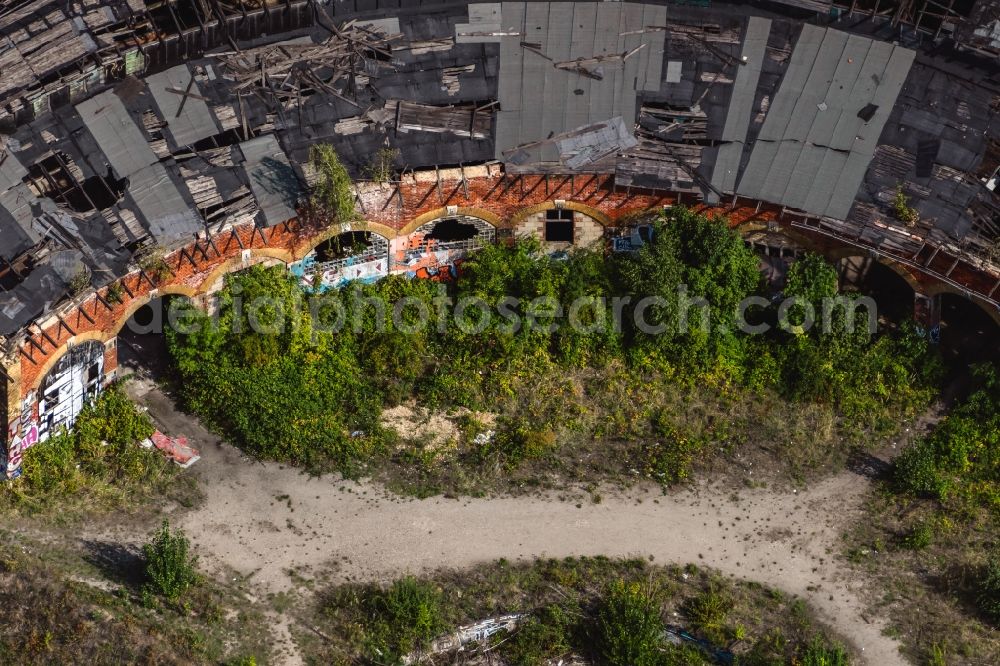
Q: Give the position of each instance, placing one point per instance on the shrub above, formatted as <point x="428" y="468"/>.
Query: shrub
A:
<point x="988" y="579"/>
<point x="919" y="537"/>
<point x="818" y="653"/>
<point x="97" y="463"/>
<point x="629" y="626"/>
<point x="153" y="263"/>
<point x="170" y="571"/>
<point x="708" y="611"/>
<point x="333" y="191"/>
<point x="404" y="618"/>
<point x="901" y="207"/>
<point x="669" y="459"/>
<point x="541" y="637"/>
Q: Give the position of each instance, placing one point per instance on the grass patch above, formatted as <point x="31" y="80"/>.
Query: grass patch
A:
<point x="928" y="540"/>
<point x="608" y="611"/>
<point x="64" y="606"/>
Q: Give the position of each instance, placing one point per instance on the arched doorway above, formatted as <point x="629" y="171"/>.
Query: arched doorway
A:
<point x="434" y="248"/>
<point x="777" y="253"/>
<point x="141" y="342"/>
<point x="75" y="379"/>
<point x="892" y="294"/>
<point x="346" y="257"/>
<point x="968" y="332"/>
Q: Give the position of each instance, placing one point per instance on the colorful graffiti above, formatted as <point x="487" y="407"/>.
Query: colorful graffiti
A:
<point x="18" y="444"/>
<point x="368" y="261"/>
<point x="434" y="250"/>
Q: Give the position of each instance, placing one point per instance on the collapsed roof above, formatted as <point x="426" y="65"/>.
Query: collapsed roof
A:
<point x="132" y="126"/>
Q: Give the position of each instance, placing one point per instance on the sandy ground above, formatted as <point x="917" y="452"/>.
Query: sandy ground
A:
<point x="264" y="520"/>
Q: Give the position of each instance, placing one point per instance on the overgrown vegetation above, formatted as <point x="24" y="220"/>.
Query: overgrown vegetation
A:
<point x="98" y="466"/>
<point x="87" y="606"/>
<point x="153" y="263"/>
<point x="333" y="191"/>
<point x="930" y="536"/>
<point x="902" y="209"/>
<point x="169" y="569"/>
<point x="607" y="611"/>
<point x="80" y="281"/>
<point x="382" y="166"/>
<point x="401" y="619"/>
<point x="302" y="393"/>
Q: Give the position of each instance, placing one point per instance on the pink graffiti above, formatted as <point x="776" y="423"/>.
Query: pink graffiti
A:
<point x="15" y="452"/>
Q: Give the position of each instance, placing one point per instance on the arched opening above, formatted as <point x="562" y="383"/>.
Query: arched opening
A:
<point x="452" y="230"/>
<point x="561" y="225"/>
<point x="75" y="379"/>
<point x="777" y="253"/>
<point x="434" y="248"/>
<point x="968" y="332"/>
<point x="352" y="255"/>
<point x="892" y="294"/>
<point x="141" y="343"/>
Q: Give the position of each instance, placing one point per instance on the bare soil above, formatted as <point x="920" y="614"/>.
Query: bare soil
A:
<point x="286" y="532"/>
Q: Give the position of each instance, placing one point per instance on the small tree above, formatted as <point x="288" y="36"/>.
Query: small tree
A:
<point x="80" y="281"/>
<point x="381" y="168"/>
<point x="904" y="212"/>
<point x="333" y="192"/>
<point x="115" y="293"/>
<point x="169" y="568"/>
<point x="153" y="263"/>
<point x="630" y="626"/>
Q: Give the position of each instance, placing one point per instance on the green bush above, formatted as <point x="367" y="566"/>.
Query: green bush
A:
<point x="333" y="192"/>
<point x="669" y="459"/>
<point x="170" y="570"/>
<point x="820" y="653"/>
<point x="708" y="612"/>
<point x="543" y="636"/>
<point x="312" y="397"/>
<point x="404" y="618"/>
<point x="919" y="537"/>
<point x="629" y="626"/>
<point x="92" y="464"/>
<point x="988" y="580"/>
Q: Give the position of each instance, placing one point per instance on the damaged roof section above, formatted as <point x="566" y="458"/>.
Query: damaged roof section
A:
<point x="816" y="141"/>
<point x="178" y="124"/>
<point x="567" y="66"/>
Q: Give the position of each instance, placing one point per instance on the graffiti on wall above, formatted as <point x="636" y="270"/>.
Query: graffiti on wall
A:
<point x="74" y="380"/>
<point x="18" y="443"/>
<point x="434" y="249"/>
<point x="352" y="256"/>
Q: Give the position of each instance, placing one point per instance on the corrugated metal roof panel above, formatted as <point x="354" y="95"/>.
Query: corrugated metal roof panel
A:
<point x="119" y="138"/>
<point x="195" y="121"/>
<point x="168" y="216"/>
<point x="727" y="163"/>
<point x="542" y="99"/>
<point x="272" y="179"/>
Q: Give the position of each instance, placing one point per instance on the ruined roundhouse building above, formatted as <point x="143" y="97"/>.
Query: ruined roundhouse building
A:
<point x="149" y="148"/>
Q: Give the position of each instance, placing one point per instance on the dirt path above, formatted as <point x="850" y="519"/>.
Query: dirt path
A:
<point x="264" y="520"/>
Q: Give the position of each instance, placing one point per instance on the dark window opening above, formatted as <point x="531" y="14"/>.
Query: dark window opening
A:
<point x="559" y="225"/>
<point x="93" y="372"/>
<point x="451" y="230"/>
<point x="343" y="245"/>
